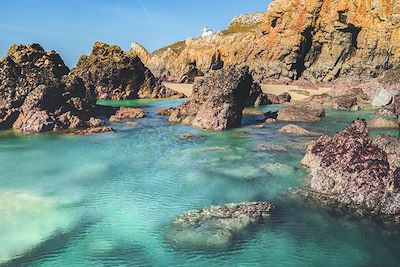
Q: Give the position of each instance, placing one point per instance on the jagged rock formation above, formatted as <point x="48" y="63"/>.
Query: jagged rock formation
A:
<point x="318" y="40"/>
<point x="218" y="101"/>
<point x="36" y="95"/>
<point x="217" y="226"/>
<point x="113" y="74"/>
<point x="354" y="172"/>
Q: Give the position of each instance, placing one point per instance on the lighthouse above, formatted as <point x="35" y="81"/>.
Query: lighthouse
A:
<point x="206" y="32"/>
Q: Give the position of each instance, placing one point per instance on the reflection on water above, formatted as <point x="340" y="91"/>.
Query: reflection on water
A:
<point x="108" y="199"/>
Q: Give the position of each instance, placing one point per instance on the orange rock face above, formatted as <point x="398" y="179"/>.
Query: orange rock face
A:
<point x="318" y="40"/>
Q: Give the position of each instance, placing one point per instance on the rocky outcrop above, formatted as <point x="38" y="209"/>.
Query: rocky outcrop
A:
<point x="217" y="101"/>
<point x="379" y="123"/>
<point x="36" y="95"/>
<point x="356" y="173"/>
<point x="317" y="40"/>
<point x="295" y="130"/>
<point x="216" y="227"/>
<point x="302" y="112"/>
<point x="114" y="74"/>
<point x="126" y="113"/>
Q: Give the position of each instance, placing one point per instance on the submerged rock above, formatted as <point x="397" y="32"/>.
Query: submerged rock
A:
<point x="125" y="113"/>
<point x="216" y="227"/>
<point x="295" y="130"/>
<point x="114" y="74"/>
<point x="271" y="147"/>
<point x="354" y="172"/>
<point x="217" y="101"/>
<point x="94" y="130"/>
<point x="302" y="112"/>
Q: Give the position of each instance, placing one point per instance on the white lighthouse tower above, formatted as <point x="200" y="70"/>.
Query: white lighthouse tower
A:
<point x="206" y="32"/>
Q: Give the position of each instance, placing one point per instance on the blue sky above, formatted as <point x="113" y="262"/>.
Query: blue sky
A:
<point x="71" y="27"/>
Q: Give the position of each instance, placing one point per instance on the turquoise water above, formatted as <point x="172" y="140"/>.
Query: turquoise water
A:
<point x="107" y="200"/>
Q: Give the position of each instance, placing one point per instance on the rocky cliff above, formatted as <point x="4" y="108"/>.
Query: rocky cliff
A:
<point x="317" y="40"/>
<point x="37" y="95"/>
<point x="114" y="74"/>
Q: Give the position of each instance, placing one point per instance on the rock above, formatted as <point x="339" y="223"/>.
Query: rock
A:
<point x="356" y="173"/>
<point x="94" y="130"/>
<point x="38" y="94"/>
<point x="385" y="112"/>
<point x="303" y="112"/>
<point x="217" y="101"/>
<point x="324" y="99"/>
<point x="378" y="123"/>
<point x="295" y="130"/>
<point x="270" y="121"/>
<point x="279" y="169"/>
<point x="126" y="113"/>
<point x="381" y="98"/>
<point x="190" y="73"/>
<point x="280" y="99"/>
<point x="314" y="40"/>
<point x="216" y="227"/>
<point x="396" y="105"/>
<point x="117" y="75"/>
<point x="271" y="147"/>
<point x="347" y="103"/>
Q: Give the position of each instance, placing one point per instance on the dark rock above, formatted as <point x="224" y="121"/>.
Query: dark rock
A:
<point x="36" y="95"/>
<point x="216" y="61"/>
<point x="354" y="172"/>
<point x="125" y="113"/>
<point x="113" y="74"/>
<point x="94" y="130"/>
<point x="303" y="112"/>
<point x="280" y="99"/>
<point x="190" y="73"/>
<point x="216" y="227"/>
<point x="347" y="103"/>
<point x="217" y="101"/>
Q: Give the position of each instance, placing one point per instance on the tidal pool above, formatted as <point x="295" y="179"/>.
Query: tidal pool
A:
<point x="108" y="199"/>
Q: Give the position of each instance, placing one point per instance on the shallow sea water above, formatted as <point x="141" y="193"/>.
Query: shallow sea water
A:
<point x="107" y="200"/>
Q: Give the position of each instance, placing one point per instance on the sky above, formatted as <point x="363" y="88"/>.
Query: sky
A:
<point x="71" y="27"/>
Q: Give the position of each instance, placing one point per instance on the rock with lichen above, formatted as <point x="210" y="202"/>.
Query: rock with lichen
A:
<point x="216" y="227"/>
<point x="356" y="173"/>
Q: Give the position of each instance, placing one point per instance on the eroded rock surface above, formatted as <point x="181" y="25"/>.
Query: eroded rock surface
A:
<point x="315" y="40"/>
<point x="308" y="111"/>
<point x="356" y="173"/>
<point x="216" y="227"/>
<point x="37" y="95"/>
<point x="113" y="74"/>
<point x="126" y="113"/>
<point x="217" y="101"/>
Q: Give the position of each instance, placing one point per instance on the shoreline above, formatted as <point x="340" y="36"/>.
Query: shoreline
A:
<point x="298" y="93"/>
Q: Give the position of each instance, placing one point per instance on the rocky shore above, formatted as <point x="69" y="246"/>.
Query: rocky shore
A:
<point x="38" y="92"/>
<point x="356" y="173"/>
<point x="321" y="42"/>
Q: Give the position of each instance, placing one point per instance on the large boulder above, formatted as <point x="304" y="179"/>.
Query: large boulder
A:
<point x="114" y="74"/>
<point x="381" y="98"/>
<point x="217" y="101"/>
<point x="216" y="227"/>
<point x="302" y="112"/>
<point x="37" y="95"/>
<point x="356" y="173"/>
